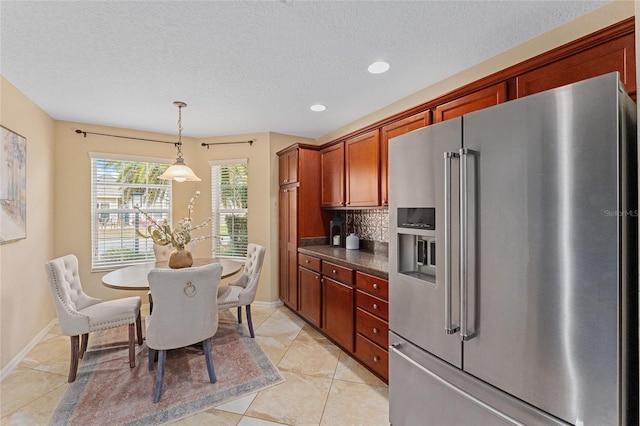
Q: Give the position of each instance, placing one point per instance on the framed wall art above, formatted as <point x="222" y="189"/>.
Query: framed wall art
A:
<point x="13" y="186"/>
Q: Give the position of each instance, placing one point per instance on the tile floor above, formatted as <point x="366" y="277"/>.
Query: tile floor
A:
<point x="323" y="385"/>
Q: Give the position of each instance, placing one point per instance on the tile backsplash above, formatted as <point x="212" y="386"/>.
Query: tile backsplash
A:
<point x="372" y="225"/>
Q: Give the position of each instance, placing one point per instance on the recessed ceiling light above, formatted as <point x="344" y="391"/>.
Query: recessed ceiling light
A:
<point x="318" y="107"/>
<point x="378" y="67"/>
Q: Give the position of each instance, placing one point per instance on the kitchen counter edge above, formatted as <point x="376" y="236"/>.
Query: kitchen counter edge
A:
<point x="371" y="263"/>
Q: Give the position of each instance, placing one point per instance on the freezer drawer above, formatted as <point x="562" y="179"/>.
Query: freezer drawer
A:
<point x="427" y="391"/>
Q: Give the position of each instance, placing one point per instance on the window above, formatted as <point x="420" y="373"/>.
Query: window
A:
<point x="229" y="208"/>
<point x="118" y="184"/>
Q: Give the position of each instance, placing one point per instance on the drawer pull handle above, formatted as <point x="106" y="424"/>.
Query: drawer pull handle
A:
<point x="376" y="358"/>
<point x="307" y="261"/>
<point x="317" y="277"/>
<point x="375" y="306"/>
<point x="334" y="271"/>
<point x="375" y="286"/>
<point x="375" y="330"/>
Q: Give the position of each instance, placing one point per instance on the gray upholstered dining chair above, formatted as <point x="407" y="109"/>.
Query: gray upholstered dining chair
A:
<point x="184" y="313"/>
<point x="79" y="314"/>
<point x="242" y="292"/>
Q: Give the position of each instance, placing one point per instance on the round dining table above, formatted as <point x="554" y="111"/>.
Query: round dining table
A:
<point x="134" y="277"/>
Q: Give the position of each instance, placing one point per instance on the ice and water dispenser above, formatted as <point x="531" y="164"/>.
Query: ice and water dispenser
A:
<point x="417" y="242"/>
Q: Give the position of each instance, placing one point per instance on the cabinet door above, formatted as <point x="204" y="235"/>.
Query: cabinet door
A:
<point x="490" y="96"/>
<point x="288" y="167"/>
<point x="283" y="224"/>
<point x="363" y="170"/>
<point x="292" y="247"/>
<point x="288" y="246"/>
<point x="337" y="312"/>
<point x="617" y="55"/>
<point x="332" y="163"/>
<point x="391" y="131"/>
<point x="310" y="295"/>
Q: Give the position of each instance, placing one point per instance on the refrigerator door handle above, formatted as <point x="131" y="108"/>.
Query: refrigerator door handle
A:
<point x="464" y="246"/>
<point x="448" y="326"/>
<point x="395" y="348"/>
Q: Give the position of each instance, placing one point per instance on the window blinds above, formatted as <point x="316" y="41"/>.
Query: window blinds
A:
<point x="117" y="186"/>
<point x="229" y="208"/>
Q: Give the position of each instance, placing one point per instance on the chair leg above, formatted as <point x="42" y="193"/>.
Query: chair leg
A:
<point x="75" y="356"/>
<point x="239" y="314"/>
<point x="206" y="345"/>
<point x="83" y="345"/>
<point x="162" y="357"/>
<point x="250" y="322"/>
<point x="152" y="358"/>
<point x="139" y="329"/>
<point x="132" y="344"/>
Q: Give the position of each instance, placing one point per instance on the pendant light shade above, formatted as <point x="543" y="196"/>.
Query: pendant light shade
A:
<point x="179" y="171"/>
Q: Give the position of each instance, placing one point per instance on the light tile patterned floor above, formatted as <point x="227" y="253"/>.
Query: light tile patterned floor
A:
<point x="324" y="386"/>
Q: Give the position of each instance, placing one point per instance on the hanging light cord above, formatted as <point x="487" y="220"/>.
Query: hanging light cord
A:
<point x="179" y="144"/>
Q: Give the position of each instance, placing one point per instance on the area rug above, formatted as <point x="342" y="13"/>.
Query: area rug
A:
<point x="108" y="392"/>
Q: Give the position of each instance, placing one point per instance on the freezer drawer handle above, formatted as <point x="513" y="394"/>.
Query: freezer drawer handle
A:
<point x="464" y="246"/>
<point x="394" y="348"/>
<point x="449" y="328"/>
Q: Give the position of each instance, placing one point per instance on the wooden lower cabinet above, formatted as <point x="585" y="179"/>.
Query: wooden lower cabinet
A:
<point x="373" y="356"/>
<point x="337" y="312"/>
<point x="372" y="323"/>
<point x="349" y="307"/>
<point x="310" y="295"/>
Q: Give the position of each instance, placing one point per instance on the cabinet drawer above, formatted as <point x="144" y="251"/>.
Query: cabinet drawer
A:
<point x="309" y="262"/>
<point x="375" y="285"/>
<point x="373" y="356"/>
<point x="337" y="272"/>
<point x="372" y="327"/>
<point x="373" y="304"/>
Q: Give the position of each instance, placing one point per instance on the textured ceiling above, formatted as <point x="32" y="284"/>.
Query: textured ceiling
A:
<point x="245" y="67"/>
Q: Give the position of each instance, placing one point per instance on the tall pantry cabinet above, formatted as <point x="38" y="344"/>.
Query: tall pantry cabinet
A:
<point x="300" y="215"/>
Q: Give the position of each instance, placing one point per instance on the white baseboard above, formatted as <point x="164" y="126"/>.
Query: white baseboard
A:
<point x="20" y="356"/>
<point x="268" y="304"/>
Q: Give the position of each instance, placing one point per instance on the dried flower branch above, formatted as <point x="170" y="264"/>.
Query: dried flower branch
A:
<point x="161" y="233"/>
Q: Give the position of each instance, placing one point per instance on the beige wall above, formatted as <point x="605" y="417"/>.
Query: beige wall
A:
<point x="25" y="302"/>
<point x="609" y="14"/>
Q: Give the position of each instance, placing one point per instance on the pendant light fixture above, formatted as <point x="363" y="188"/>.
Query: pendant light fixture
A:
<point x="179" y="171"/>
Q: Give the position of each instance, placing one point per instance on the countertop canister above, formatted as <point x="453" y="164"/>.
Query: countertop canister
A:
<point x="353" y="242"/>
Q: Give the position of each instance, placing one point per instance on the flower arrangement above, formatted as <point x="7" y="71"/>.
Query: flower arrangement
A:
<point x="162" y="234"/>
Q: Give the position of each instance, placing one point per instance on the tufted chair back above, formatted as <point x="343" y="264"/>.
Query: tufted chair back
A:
<point x="185" y="307"/>
<point x="68" y="297"/>
<point x="251" y="274"/>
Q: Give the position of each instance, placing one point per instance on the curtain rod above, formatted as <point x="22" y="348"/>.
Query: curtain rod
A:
<point x="123" y="137"/>
<point x="84" y="133"/>
<point x="250" y="142"/>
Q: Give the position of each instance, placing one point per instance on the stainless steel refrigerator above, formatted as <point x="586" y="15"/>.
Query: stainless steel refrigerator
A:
<point x="513" y="263"/>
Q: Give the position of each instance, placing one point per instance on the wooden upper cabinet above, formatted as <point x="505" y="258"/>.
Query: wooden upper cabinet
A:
<point x="362" y="159"/>
<point x="392" y="130"/>
<point x="288" y="167"/>
<point x="616" y="55"/>
<point x="332" y="170"/>
<point x="484" y="98"/>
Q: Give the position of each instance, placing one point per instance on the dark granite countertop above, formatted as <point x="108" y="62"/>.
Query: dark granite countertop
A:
<point x="370" y="262"/>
